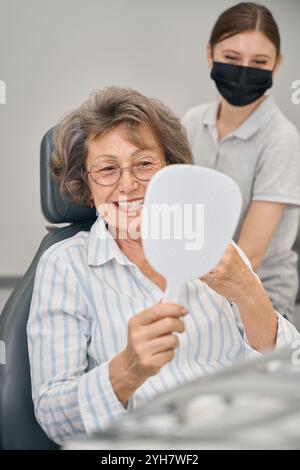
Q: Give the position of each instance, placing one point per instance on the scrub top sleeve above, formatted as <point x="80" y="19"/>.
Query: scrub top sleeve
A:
<point x="277" y="177"/>
<point x="190" y="121"/>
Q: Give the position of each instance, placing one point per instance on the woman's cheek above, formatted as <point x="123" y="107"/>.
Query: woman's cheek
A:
<point x="108" y="212"/>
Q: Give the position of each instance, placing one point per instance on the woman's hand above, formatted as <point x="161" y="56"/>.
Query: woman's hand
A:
<point x="151" y="345"/>
<point x="231" y="278"/>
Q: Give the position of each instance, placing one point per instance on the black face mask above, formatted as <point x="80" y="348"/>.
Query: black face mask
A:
<point x="240" y="85"/>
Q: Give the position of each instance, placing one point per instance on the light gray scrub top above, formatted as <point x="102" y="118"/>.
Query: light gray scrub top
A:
<point x="263" y="157"/>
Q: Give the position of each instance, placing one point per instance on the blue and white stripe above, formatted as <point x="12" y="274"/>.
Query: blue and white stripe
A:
<point x="85" y="292"/>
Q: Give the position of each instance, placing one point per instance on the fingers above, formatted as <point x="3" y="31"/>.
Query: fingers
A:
<point x="152" y="337"/>
<point x="160" y="311"/>
<point x="164" y="343"/>
<point x="164" y="327"/>
<point x="163" y="358"/>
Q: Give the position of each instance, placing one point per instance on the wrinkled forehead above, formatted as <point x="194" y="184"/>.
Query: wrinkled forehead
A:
<point x="123" y="140"/>
<point x="139" y="135"/>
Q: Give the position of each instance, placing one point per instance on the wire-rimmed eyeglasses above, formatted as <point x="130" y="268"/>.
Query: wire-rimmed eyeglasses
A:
<point x="109" y="174"/>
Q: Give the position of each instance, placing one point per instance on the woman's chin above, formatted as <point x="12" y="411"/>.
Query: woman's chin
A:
<point x="131" y="227"/>
<point x="124" y="223"/>
<point x="127" y="224"/>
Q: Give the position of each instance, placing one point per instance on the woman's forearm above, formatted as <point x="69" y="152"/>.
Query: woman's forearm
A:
<point x="234" y="279"/>
<point x="123" y="381"/>
<point x="258" y="317"/>
<point x="255" y="235"/>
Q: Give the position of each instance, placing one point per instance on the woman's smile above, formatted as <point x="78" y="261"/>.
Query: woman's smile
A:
<point x="130" y="207"/>
<point x="121" y="204"/>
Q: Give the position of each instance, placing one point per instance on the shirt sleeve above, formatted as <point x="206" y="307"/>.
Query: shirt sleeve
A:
<point x="286" y="332"/>
<point x="277" y="177"/>
<point x="190" y="121"/>
<point x="69" y="399"/>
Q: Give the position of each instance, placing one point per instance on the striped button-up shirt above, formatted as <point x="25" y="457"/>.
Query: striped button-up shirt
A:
<point x="85" y="292"/>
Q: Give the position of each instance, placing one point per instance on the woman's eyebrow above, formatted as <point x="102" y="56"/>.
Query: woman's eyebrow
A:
<point x="133" y="154"/>
<point x="229" y="50"/>
<point x="106" y="156"/>
<point x="238" y="53"/>
<point x="262" y="55"/>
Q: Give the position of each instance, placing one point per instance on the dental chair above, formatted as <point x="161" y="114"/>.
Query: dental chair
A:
<point x="18" y="426"/>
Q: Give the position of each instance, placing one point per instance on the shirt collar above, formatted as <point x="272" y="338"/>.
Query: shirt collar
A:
<point x="211" y="113"/>
<point x="251" y="125"/>
<point x="103" y="247"/>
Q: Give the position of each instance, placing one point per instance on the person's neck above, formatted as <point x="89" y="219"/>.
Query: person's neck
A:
<point x="230" y="117"/>
<point x="129" y="244"/>
<point x="133" y="249"/>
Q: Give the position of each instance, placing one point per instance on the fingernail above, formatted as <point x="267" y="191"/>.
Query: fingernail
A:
<point x="183" y="310"/>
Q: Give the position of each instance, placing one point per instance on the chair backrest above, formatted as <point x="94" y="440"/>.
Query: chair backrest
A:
<point x="18" y="426"/>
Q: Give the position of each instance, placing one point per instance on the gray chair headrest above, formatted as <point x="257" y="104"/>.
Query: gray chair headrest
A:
<point x="56" y="209"/>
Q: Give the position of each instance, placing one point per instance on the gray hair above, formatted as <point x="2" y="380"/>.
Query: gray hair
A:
<point x="105" y="110"/>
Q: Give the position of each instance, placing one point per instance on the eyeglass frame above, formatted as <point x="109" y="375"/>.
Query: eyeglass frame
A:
<point x="121" y="173"/>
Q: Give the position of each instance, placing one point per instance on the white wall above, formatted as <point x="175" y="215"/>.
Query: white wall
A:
<point x="54" y="52"/>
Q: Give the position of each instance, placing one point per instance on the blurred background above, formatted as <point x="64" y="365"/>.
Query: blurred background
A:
<point x="53" y="53"/>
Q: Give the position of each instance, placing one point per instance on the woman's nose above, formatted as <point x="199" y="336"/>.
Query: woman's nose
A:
<point x="128" y="181"/>
<point x="246" y="62"/>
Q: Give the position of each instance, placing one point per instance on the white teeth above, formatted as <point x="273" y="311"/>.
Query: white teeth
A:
<point x="127" y="204"/>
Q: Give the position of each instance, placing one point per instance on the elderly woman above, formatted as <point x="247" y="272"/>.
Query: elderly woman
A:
<point x="100" y="340"/>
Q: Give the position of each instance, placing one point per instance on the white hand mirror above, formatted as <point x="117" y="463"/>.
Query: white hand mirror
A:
<point x="189" y="216"/>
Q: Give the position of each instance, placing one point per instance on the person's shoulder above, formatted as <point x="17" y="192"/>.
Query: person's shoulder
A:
<point x="195" y="115"/>
<point x="74" y="247"/>
<point x="282" y="127"/>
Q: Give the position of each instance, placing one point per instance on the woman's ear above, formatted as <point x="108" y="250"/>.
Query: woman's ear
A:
<point x="278" y="64"/>
<point x="91" y="202"/>
<point x="209" y="55"/>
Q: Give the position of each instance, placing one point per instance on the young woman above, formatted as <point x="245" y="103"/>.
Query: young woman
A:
<point x="245" y="135"/>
